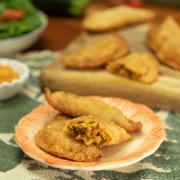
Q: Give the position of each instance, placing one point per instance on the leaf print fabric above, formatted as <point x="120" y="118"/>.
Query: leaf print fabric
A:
<point x="163" y="164"/>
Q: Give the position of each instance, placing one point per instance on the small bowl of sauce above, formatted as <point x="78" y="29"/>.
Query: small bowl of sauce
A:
<point x="13" y="75"/>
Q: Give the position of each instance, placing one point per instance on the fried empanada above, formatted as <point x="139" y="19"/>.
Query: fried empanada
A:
<point x="164" y="39"/>
<point x="95" y="130"/>
<point x="54" y="139"/>
<point x="137" y="66"/>
<point x="98" y="53"/>
<point x="116" y="17"/>
<point x="75" y="105"/>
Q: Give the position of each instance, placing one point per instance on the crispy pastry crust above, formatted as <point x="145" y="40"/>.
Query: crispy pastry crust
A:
<point x="54" y="139"/>
<point x="116" y="17"/>
<point x="164" y="40"/>
<point x="75" y="105"/>
<point x="137" y="66"/>
<point x="97" y="54"/>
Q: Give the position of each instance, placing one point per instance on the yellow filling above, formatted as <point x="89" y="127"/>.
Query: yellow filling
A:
<point x="128" y="73"/>
<point x="88" y="131"/>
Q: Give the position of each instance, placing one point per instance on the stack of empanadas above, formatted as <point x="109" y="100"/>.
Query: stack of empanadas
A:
<point x="110" y="50"/>
<point x="83" y="126"/>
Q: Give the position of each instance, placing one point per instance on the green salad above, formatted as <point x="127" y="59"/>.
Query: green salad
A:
<point x="17" y="17"/>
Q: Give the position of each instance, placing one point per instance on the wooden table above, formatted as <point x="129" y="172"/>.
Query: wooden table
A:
<point x="62" y="30"/>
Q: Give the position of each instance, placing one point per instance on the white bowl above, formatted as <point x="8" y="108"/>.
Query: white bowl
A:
<point x="10" y="89"/>
<point x="17" y="44"/>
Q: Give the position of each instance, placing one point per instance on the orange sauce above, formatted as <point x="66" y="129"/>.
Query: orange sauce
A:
<point x="7" y="74"/>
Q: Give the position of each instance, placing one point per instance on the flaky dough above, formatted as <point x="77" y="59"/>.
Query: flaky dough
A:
<point x="116" y="17"/>
<point x="137" y="66"/>
<point x="164" y="40"/>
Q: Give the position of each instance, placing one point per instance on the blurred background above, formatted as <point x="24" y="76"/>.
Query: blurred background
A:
<point x="78" y="7"/>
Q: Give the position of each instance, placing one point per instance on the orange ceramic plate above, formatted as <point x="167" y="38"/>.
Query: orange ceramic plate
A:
<point x="142" y="145"/>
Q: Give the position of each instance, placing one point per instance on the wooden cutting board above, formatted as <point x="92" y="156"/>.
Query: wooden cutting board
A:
<point x="163" y="94"/>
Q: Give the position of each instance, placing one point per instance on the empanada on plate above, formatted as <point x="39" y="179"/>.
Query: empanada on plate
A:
<point x="75" y="105"/>
<point x="142" y="145"/>
<point x="94" y="130"/>
<point x="54" y="139"/>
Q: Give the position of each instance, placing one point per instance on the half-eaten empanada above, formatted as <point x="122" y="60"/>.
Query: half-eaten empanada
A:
<point x="54" y="139"/>
<point x="137" y="66"/>
<point x="94" y="130"/>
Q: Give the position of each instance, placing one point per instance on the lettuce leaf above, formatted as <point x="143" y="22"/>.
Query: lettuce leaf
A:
<point x="30" y="22"/>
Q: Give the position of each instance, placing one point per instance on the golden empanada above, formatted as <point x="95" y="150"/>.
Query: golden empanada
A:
<point x="137" y="66"/>
<point x="54" y="139"/>
<point x="95" y="130"/>
<point x="75" y="105"/>
<point x="164" y="39"/>
<point x="98" y="53"/>
<point x="116" y="17"/>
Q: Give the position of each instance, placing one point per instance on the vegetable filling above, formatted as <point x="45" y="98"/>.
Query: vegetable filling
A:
<point x="88" y="131"/>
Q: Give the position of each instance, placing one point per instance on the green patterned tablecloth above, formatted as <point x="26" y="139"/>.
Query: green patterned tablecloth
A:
<point x="15" y="165"/>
